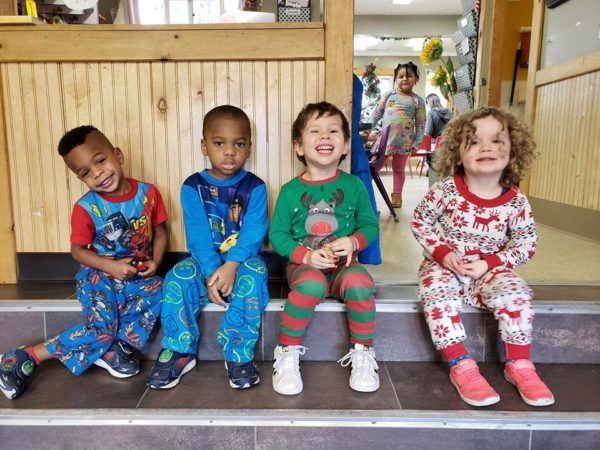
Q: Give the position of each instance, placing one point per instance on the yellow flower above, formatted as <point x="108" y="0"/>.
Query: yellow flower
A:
<point x="432" y="50"/>
<point x="439" y="76"/>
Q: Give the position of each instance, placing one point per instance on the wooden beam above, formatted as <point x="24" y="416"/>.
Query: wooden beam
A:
<point x="219" y="42"/>
<point x="339" y="58"/>
<point x="569" y="69"/>
<point x="496" y="52"/>
<point x="535" y="52"/>
<point x="8" y="267"/>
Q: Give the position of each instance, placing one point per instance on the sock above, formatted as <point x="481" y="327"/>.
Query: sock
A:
<point x="513" y="352"/>
<point x="31" y="352"/>
<point x="454" y="351"/>
<point x="456" y="360"/>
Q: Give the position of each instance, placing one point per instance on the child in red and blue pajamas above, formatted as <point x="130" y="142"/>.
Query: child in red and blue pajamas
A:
<point x="321" y="219"/>
<point x="119" y="237"/>
<point x="476" y="227"/>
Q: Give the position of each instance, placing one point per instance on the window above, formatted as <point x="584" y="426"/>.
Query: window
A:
<point x="157" y="12"/>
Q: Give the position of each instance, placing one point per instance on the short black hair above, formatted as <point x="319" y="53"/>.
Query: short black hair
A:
<point x="320" y="109"/>
<point x="225" y="111"/>
<point x="73" y="138"/>
<point x="408" y="66"/>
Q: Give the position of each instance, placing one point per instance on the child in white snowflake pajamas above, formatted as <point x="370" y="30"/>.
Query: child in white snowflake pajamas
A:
<point x="476" y="227"/>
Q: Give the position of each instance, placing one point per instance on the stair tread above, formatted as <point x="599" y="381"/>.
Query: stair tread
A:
<point x="405" y="386"/>
<point x="385" y="293"/>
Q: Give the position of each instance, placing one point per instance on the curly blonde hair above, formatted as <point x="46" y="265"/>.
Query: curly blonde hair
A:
<point x="459" y="132"/>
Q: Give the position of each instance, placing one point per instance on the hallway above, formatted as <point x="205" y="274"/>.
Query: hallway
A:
<point x="561" y="258"/>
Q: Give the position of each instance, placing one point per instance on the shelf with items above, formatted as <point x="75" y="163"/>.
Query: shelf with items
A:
<point x="64" y="11"/>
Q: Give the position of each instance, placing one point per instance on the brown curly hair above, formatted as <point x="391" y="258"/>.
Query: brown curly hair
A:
<point x="459" y="132"/>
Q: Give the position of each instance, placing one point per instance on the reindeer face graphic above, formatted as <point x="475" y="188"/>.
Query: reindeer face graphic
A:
<point x="321" y="222"/>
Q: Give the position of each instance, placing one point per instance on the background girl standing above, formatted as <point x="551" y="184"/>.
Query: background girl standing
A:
<point x="476" y="227"/>
<point x="404" y="112"/>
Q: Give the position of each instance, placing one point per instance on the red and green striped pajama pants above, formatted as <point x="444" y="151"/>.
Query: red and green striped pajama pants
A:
<point x="309" y="286"/>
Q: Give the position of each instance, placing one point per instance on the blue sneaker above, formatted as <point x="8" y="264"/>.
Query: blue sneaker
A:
<point x="119" y="360"/>
<point x="169" y="368"/>
<point x="15" y="368"/>
<point x="242" y="375"/>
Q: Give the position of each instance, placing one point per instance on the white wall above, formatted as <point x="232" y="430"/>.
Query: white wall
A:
<point x="571" y="30"/>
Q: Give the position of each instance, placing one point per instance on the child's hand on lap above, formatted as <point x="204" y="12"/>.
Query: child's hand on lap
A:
<point x="453" y="262"/>
<point x="151" y="268"/>
<point x="475" y="269"/>
<point x="220" y="283"/>
<point x="345" y="246"/>
<point x="121" y="269"/>
<point x="319" y="259"/>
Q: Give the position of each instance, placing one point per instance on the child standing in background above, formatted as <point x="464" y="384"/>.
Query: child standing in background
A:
<point x="119" y="237"/>
<point x="404" y="112"/>
<point x="476" y="227"/>
<point x="321" y="219"/>
<point x="225" y="216"/>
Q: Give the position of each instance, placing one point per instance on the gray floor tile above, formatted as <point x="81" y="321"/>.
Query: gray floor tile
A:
<point x="20" y="328"/>
<point x="129" y="438"/>
<point x="388" y="438"/>
<point x="52" y="386"/>
<point x="325" y="387"/>
<point x="561" y="440"/>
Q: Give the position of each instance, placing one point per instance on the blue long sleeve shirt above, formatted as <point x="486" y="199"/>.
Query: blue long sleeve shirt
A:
<point x="225" y="220"/>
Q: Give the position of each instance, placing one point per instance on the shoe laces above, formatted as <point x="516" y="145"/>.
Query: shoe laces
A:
<point x="289" y="361"/>
<point x="362" y="359"/>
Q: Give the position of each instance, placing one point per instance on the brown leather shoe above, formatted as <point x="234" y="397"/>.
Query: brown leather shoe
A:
<point x="396" y="200"/>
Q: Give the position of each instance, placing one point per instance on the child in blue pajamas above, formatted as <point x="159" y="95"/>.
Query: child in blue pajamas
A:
<point x="225" y="215"/>
<point x="119" y="237"/>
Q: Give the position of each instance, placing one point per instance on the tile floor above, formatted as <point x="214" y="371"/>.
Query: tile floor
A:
<point x="561" y="258"/>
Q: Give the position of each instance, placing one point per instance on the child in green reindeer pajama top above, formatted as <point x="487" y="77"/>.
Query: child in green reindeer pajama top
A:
<point x="321" y="219"/>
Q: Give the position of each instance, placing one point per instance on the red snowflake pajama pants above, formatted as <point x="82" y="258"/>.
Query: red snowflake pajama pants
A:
<point x="500" y="290"/>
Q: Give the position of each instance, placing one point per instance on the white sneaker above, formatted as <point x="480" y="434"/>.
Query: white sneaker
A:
<point x="364" y="376"/>
<point x="286" y="369"/>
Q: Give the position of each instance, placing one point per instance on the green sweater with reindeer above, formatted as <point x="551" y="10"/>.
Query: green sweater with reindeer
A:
<point x="310" y="214"/>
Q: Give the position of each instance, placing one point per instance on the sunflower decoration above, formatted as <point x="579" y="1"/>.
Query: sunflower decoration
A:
<point x="432" y="50"/>
<point x="443" y="77"/>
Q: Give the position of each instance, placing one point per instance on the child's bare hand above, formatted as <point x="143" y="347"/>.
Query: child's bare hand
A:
<point x="222" y="281"/>
<point x="319" y="259"/>
<point x="475" y="269"/>
<point x="150" y="270"/>
<point x="121" y="269"/>
<point x="453" y="262"/>
<point x="344" y="246"/>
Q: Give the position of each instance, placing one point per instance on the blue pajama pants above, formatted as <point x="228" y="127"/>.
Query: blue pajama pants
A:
<point x="185" y="294"/>
<point x="112" y="309"/>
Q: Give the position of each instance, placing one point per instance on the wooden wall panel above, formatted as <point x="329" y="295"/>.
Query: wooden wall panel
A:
<point x="567" y="124"/>
<point x="151" y="110"/>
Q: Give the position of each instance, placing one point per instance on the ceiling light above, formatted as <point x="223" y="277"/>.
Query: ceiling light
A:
<point x="362" y="42"/>
<point x="401" y="2"/>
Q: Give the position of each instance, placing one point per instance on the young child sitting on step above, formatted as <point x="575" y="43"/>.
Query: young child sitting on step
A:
<point x="321" y="219"/>
<point x="476" y="227"/>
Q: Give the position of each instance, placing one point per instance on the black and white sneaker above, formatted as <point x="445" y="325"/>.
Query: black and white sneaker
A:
<point x="169" y="368"/>
<point x="242" y="375"/>
<point x="119" y="360"/>
<point x="15" y="368"/>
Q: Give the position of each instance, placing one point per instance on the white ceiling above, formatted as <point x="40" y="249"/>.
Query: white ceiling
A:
<point x="403" y="47"/>
<point x="416" y="7"/>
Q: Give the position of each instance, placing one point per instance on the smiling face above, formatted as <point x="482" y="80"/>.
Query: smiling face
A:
<point x="405" y="80"/>
<point x="227" y="144"/>
<point x="487" y="153"/>
<point x="323" y="142"/>
<point x="99" y="165"/>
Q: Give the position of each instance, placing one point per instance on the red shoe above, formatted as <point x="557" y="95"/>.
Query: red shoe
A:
<point x="471" y="386"/>
<point x="532" y="389"/>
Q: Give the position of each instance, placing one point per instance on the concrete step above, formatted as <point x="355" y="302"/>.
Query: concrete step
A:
<point x="416" y="407"/>
<point x="567" y="329"/>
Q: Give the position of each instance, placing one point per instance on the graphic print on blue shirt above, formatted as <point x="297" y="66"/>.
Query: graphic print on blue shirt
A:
<point x="123" y="229"/>
<point x="225" y="207"/>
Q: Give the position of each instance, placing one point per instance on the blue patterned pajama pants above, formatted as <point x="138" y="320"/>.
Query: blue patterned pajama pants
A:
<point x="185" y="294"/>
<point x="112" y="309"/>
